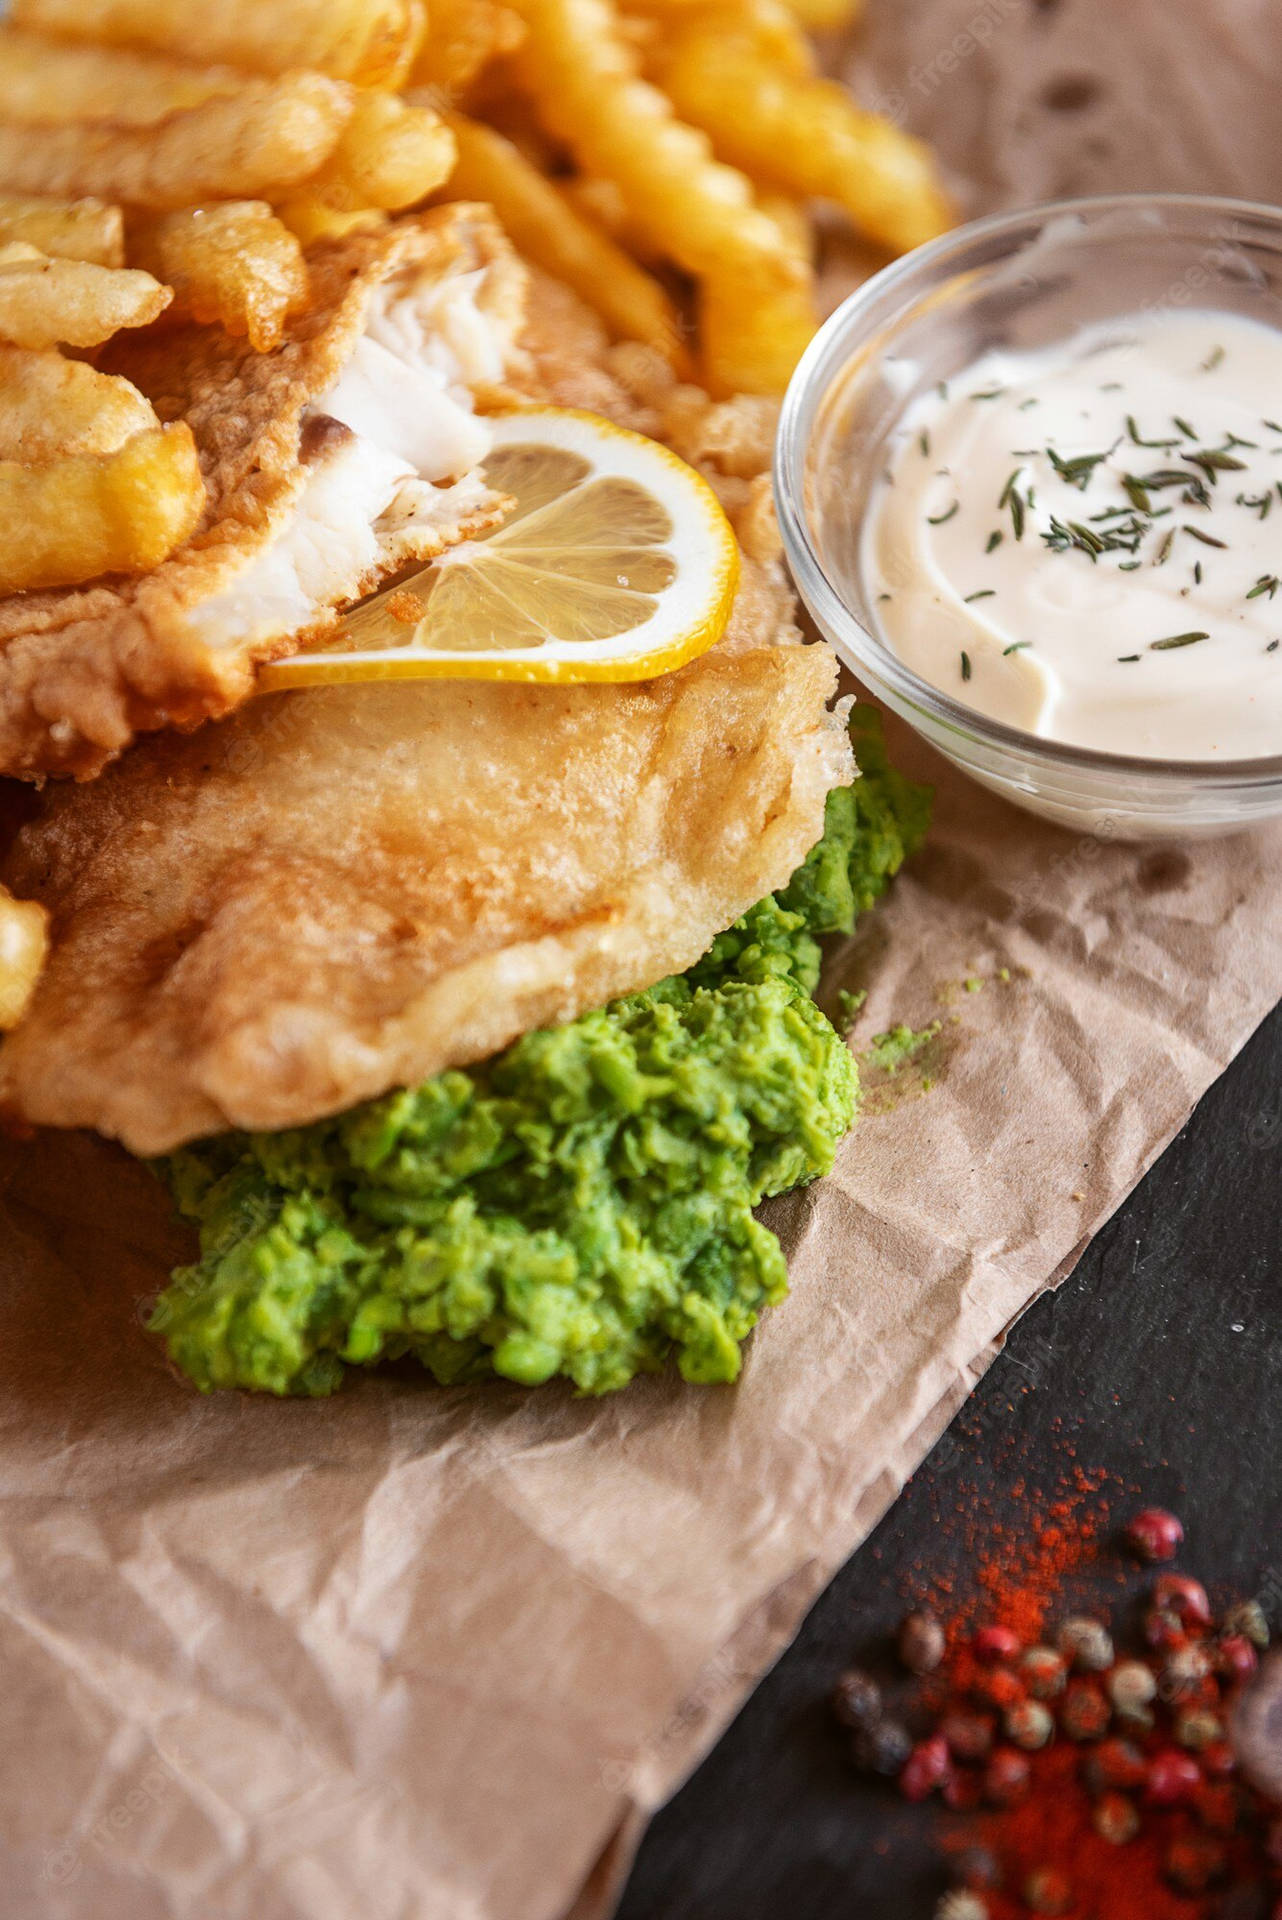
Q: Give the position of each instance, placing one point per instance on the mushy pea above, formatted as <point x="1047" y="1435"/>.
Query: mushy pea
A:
<point x="582" y="1204"/>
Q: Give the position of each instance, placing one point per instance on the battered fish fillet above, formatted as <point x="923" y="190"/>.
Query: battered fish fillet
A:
<point x="349" y="450"/>
<point x="344" y="890"/>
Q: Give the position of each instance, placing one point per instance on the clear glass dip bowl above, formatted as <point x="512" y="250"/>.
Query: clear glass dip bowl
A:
<point x="1021" y="280"/>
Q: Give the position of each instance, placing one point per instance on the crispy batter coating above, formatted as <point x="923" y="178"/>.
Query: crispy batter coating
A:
<point x="52" y="408"/>
<point x="232" y="265"/>
<point x="244" y="146"/>
<point x="83" y="670"/>
<point x="45" y="299"/>
<point x="348" y="889"/>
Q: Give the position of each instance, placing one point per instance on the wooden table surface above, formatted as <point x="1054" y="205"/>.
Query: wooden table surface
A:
<point x="1159" y="1361"/>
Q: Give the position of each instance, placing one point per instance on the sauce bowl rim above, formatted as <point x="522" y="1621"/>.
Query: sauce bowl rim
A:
<point x="824" y="363"/>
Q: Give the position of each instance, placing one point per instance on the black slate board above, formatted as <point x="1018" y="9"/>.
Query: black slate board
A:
<point x="1159" y="1361"/>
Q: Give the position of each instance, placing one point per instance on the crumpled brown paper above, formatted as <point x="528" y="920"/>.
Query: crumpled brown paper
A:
<point x="412" y="1652"/>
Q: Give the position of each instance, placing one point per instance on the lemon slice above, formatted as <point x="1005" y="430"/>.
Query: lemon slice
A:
<point x="616" y="563"/>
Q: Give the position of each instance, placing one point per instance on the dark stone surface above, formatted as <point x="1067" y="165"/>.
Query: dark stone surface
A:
<point x="1159" y="1361"/>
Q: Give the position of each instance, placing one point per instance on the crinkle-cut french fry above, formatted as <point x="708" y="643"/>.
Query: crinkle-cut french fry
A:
<point x="463" y="37"/>
<point x="772" y="27"/>
<point x="752" y="341"/>
<point x="602" y="205"/>
<point x="806" y="136"/>
<point x="795" y="226"/>
<point x="68" y="229"/>
<point x="47" y="303"/>
<point x="584" y="80"/>
<point x="548" y="230"/>
<point x="233" y="264"/>
<point x="24" y="948"/>
<point x="51" y="407"/>
<point x="752" y="337"/>
<point x="371" y="42"/>
<point x="65" y="521"/>
<point x="251" y="145"/>
<point x="43" y="80"/>
<point x="391" y="154"/>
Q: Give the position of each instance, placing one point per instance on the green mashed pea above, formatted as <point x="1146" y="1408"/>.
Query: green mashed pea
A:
<point x="582" y="1204"/>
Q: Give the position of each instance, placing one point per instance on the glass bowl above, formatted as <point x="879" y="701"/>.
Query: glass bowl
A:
<point x="1021" y="281"/>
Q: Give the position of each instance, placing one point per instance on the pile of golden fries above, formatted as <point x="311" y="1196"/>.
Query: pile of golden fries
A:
<point x="659" y="156"/>
<point x="164" y="161"/>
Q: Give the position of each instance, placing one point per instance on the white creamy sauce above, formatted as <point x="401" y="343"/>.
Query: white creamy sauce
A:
<point x="1086" y="541"/>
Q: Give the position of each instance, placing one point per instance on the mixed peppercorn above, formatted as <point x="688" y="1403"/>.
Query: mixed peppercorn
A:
<point x="1096" y="1783"/>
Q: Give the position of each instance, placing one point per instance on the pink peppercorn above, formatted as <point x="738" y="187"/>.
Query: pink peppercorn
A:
<point x="1155" y="1534"/>
<point x="998" y="1688"/>
<point x="1163" y="1629"/>
<point x="926" y="1768"/>
<point x="992" y="1645"/>
<point x="1186" y="1599"/>
<point x="1173" y="1778"/>
<point x="1236" y="1658"/>
<point x="1006" y="1778"/>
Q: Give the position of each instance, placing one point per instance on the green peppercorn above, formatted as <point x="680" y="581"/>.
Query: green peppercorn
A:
<point x="1183" y="1672"/>
<point x="1247" y="1618"/>
<point x="962" y="1904"/>
<point x="1029" y="1725"/>
<point x="1131" y="1684"/>
<point x="1044" y="1672"/>
<point x="1088" y="1644"/>
<point x="1196" y="1728"/>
